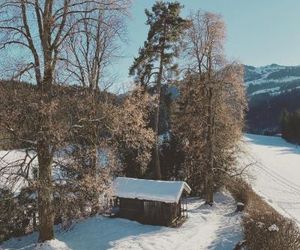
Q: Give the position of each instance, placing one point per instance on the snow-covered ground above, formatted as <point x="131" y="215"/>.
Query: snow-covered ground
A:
<point x="206" y="228"/>
<point x="275" y="174"/>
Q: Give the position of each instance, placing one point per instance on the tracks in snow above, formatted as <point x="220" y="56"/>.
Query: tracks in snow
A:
<point x="278" y="190"/>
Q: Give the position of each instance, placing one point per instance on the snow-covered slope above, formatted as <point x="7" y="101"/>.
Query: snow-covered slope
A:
<point x="206" y="228"/>
<point x="275" y="172"/>
<point x="273" y="79"/>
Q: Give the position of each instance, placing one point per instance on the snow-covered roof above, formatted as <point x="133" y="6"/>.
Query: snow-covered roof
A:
<point x="153" y="190"/>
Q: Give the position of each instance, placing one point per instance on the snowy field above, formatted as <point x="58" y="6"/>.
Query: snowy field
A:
<point x="206" y="228"/>
<point x="275" y="174"/>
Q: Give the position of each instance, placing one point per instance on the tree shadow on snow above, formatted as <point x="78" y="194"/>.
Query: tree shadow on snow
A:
<point x="101" y="233"/>
<point x="227" y="238"/>
<point x="95" y="233"/>
<point x="230" y="232"/>
<point x="273" y="141"/>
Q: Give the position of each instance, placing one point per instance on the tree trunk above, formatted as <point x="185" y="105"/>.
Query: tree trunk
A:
<point x="157" y="167"/>
<point x="45" y="160"/>
<point x="94" y="149"/>
<point x="95" y="194"/>
<point x="209" y="189"/>
<point x="45" y="191"/>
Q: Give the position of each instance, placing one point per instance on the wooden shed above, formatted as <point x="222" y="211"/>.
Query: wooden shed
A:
<point x="151" y="201"/>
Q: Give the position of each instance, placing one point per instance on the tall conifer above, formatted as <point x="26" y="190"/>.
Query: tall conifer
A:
<point x="155" y="64"/>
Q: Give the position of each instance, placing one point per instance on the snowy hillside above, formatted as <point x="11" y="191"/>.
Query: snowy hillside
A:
<point x="206" y="228"/>
<point x="275" y="174"/>
<point x="273" y="79"/>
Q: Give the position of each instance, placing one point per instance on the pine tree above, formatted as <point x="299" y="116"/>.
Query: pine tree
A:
<point x="156" y="58"/>
<point x="290" y="123"/>
<point x="284" y="120"/>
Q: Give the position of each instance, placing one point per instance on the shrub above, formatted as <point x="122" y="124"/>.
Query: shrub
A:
<point x="239" y="189"/>
<point x="264" y="228"/>
<point x="269" y="230"/>
<point x="16" y="213"/>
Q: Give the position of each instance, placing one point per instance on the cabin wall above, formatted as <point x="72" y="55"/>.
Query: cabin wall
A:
<point x="160" y="213"/>
<point x="149" y="212"/>
<point x="132" y="209"/>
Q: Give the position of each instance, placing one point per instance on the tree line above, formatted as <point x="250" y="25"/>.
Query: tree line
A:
<point x="290" y="126"/>
<point x="265" y="111"/>
<point x="182" y="119"/>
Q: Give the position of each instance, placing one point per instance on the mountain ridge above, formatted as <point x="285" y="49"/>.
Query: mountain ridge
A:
<point x="271" y="89"/>
<point x="273" y="79"/>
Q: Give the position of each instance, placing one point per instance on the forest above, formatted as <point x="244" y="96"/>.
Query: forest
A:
<point x="290" y="122"/>
<point x="181" y="118"/>
<point x="265" y="111"/>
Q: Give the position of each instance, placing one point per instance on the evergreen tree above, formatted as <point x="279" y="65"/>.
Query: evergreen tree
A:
<point x="155" y="63"/>
<point x="284" y="120"/>
<point x="290" y="126"/>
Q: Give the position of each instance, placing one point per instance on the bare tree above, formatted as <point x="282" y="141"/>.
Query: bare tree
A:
<point x="204" y="42"/>
<point x="90" y="50"/>
<point x="94" y="46"/>
<point x="41" y="29"/>
<point x="212" y="100"/>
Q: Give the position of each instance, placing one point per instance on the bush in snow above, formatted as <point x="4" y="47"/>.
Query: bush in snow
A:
<point x="264" y="228"/>
<point x="17" y="213"/>
<point x="239" y="190"/>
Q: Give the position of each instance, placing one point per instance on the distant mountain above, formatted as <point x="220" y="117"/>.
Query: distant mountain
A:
<point x="273" y="79"/>
<point x="270" y="90"/>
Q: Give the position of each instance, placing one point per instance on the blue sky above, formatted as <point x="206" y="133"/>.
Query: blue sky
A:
<point x="259" y="32"/>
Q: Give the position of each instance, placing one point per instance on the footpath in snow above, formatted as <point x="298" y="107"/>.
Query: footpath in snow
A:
<point x="275" y="172"/>
<point x="206" y="228"/>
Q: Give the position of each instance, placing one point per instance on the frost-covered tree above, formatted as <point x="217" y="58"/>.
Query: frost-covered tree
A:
<point x="39" y="31"/>
<point x="134" y="139"/>
<point x="210" y="109"/>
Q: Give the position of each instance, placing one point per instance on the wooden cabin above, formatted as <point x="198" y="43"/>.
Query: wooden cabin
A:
<point x="151" y="201"/>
